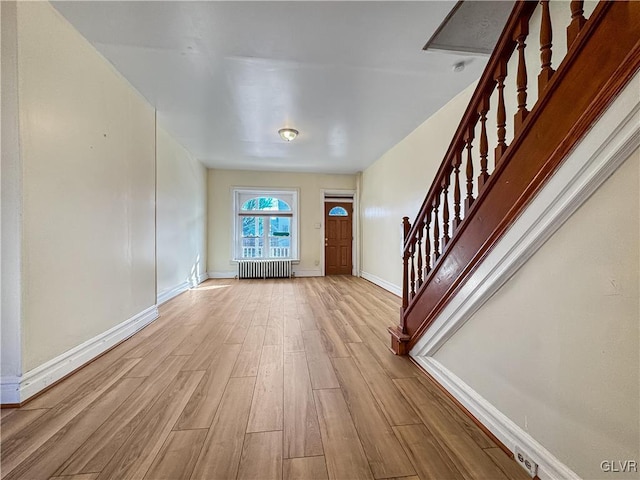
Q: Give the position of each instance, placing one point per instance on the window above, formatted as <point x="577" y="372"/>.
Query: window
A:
<point x="338" y="212"/>
<point x="265" y="224"/>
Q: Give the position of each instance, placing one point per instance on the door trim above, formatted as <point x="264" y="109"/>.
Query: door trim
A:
<point x="348" y="196"/>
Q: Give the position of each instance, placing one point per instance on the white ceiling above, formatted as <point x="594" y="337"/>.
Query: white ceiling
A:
<point x="225" y="76"/>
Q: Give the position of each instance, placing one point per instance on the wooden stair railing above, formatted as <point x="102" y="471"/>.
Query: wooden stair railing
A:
<point x="471" y="203"/>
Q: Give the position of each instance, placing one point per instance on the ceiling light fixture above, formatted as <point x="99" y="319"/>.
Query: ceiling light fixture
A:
<point x="288" y="134"/>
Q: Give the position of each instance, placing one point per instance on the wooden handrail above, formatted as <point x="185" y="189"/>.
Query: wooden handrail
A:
<point x="457" y="224"/>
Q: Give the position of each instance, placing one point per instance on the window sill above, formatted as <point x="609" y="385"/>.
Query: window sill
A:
<point x="295" y="261"/>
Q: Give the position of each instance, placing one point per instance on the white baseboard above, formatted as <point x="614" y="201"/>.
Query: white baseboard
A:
<point x="382" y="283"/>
<point x="307" y="273"/>
<point x="19" y="389"/>
<point x="167" y="295"/>
<point x="228" y="274"/>
<point x="510" y="434"/>
<point x="9" y="390"/>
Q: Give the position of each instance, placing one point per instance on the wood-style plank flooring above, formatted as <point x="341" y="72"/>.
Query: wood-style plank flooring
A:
<point x="253" y="379"/>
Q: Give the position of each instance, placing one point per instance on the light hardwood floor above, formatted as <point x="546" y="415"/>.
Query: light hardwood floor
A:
<point x="253" y="379"/>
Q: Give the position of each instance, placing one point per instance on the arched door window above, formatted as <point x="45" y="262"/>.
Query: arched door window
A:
<point x="338" y="212"/>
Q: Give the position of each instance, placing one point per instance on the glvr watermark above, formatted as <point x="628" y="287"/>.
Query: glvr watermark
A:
<point x="619" y="466"/>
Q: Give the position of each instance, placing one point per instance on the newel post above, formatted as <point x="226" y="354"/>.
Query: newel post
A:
<point x="406" y="226"/>
<point x="399" y="336"/>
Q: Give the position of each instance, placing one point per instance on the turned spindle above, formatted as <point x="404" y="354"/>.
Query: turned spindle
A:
<point x="546" y="36"/>
<point x="419" y="253"/>
<point x="484" y="145"/>
<point x="468" y="140"/>
<point x="521" y="32"/>
<point x="436" y="229"/>
<point x="412" y="252"/>
<point x="445" y="210"/>
<point x="577" y="21"/>
<point x="501" y="114"/>
<point x="457" y="161"/>
<point x="427" y="245"/>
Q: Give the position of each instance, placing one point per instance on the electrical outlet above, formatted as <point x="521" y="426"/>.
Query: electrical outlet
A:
<point x="526" y="462"/>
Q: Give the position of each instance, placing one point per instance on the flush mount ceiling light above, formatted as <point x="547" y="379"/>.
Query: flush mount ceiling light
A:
<point x="288" y="134"/>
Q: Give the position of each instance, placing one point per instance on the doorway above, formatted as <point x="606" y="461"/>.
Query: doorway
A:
<point x="338" y="241"/>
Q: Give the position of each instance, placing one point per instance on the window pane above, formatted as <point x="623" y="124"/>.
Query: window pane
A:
<point x="252" y="237"/>
<point x="338" y="212"/>
<point x="252" y="247"/>
<point x="280" y="226"/>
<point x="279" y="247"/>
<point x="280" y="237"/>
<point x="283" y="206"/>
<point x="266" y="203"/>
<point x="252" y="226"/>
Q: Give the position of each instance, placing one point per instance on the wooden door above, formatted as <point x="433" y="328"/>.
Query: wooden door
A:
<point x="338" y="228"/>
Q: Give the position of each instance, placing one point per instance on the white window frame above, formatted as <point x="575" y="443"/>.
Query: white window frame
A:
<point x="288" y="195"/>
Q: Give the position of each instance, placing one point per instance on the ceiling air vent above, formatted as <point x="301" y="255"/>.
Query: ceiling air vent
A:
<point x="471" y="27"/>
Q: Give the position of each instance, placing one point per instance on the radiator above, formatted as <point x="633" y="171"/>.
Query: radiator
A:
<point x="264" y="269"/>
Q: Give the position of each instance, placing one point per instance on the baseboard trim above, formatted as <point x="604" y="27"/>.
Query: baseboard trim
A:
<point x="504" y="429"/>
<point x="390" y="287"/>
<point x="307" y="273"/>
<point x="17" y="390"/>
<point x="448" y="394"/>
<point x="202" y="277"/>
<point x="9" y="391"/>
<point x="167" y="295"/>
<point x="228" y="274"/>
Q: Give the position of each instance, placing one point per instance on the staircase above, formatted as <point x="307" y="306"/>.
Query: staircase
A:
<point x="512" y="138"/>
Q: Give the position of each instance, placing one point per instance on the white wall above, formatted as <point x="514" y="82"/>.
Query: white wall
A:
<point x="396" y="185"/>
<point x="556" y="349"/>
<point x="11" y="230"/>
<point x="181" y="217"/>
<point x="311" y="212"/>
<point x="87" y="145"/>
